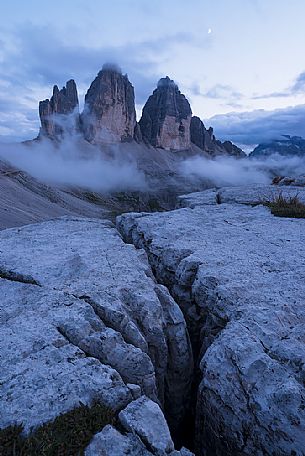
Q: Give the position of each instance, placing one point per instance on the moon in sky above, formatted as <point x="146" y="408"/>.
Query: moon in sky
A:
<point x="209" y="31"/>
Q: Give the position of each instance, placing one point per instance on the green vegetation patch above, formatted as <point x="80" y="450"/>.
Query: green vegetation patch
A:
<point x="68" y="435"/>
<point x="282" y="206"/>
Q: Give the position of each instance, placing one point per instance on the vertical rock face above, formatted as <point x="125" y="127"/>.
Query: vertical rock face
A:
<point x="166" y="117"/>
<point x="109" y="114"/>
<point x="60" y="113"/>
<point x="205" y="140"/>
<point x="200" y="136"/>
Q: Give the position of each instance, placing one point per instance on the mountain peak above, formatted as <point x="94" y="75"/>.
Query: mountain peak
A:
<point x="166" y="117"/>
<point x="110" y="67"/>
<point x="166" y="83"/>
<point x="109" y="114"/>
<point x="62" y="102"/>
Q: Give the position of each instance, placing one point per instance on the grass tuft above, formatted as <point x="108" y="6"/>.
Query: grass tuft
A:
<point x="282" y="206"/>
<point x="68" y="435"/>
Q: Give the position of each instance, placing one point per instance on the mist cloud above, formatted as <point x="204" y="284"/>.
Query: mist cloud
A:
<point x="229" y="171"/>
<point x="75" y="163"/>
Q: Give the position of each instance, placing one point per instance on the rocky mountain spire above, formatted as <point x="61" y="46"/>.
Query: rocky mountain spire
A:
<point x="109" y="114"/>
<point x="60" y="113"/>
<point x="206" y="141"/>
<point x="166" y="117"/>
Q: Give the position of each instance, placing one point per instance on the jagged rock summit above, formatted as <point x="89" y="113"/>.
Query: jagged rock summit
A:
<point x="166" y="117"/>
<point x="200" y="136"/>
<point x="60" y="112"/>
<point x="206" y="141"/>
<point x="109" y="114"/>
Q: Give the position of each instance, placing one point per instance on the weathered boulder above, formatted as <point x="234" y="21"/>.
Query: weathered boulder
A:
<point x="109" y="114"/>
<point x="145" y="419"/>
<point x="82" y="319"/>
<point x="166" y="117"/>
<point x="60" y="115"/>
<point x="237" y="272"/>
<point x="206" y="141"/>
<point x="110" y="442"/>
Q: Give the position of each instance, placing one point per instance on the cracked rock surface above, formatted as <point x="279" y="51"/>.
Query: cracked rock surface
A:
<point x="83" y="319"/>
<point x="238" y="274"/>
<point x="250" y="195"/>
<point x="144" y="432"/>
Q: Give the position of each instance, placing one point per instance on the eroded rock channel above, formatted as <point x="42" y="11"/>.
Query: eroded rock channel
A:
<point x="198" y="341"/>
<point x="237" y="273"/>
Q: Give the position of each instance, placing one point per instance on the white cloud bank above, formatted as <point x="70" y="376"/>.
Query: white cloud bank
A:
<point x="74" y="163"/>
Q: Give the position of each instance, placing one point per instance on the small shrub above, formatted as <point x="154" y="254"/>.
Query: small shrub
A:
<point x="68" y="435"/>
<point x="282" y="206"/>
<point x="218" y="198"/>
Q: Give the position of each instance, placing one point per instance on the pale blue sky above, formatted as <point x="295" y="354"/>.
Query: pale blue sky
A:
<point x="226" y="55"/>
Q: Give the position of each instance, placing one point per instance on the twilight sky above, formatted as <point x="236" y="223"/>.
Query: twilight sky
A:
<point x="231" y="58"/>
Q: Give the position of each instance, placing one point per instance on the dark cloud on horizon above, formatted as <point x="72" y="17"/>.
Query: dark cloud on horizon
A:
<point x="252" y="128"/>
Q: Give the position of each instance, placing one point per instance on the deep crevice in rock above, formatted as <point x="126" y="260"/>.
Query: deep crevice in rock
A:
<point x="182" y="294"/>
<point x="185" y="436"/>
<point x="199" y="302"/>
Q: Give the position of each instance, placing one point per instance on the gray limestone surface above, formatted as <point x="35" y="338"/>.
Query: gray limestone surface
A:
<point x="238" y="274"/>
<point x="83" y="319"/>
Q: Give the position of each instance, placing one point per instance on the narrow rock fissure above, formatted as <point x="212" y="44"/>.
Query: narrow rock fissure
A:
<point x="184" y="436"/>
<point x="16" y="277"/>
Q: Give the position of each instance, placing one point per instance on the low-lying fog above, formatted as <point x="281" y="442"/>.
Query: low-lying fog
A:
<point x="230" y="171"/>
<point x="76" y="163"/>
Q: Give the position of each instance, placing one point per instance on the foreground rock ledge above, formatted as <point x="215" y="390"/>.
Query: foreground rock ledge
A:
<point x="238" y="274"/>
<point x="83" y="320"/>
